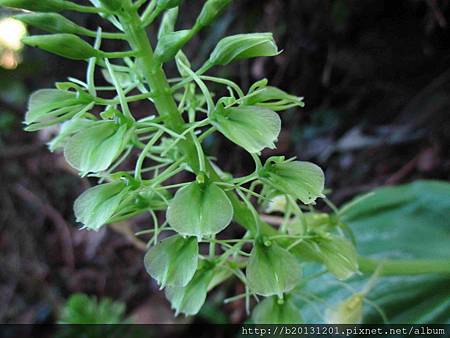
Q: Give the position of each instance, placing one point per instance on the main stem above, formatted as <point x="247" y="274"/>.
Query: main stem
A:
<point x="167" y="108"/>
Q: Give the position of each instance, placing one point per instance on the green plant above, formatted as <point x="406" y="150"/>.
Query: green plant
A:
<point x="82" y="309"/>
<point x="267" y="259"/>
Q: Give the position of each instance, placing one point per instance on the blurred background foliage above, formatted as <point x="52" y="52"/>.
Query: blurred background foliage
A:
<point x="375" y="76"/>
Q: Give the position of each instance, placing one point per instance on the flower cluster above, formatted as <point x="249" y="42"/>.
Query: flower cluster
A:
<point x="100" y="134"/>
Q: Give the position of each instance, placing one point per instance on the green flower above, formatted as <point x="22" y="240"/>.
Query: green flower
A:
<point x="302" y="180"/>
<point x="173" y="261"/>
<point x="253" y="128"/>
<point x="272" y="270"/>
<point x="200" y="210"/>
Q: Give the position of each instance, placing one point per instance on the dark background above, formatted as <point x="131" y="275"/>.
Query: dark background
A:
<point x="375" y="76"/>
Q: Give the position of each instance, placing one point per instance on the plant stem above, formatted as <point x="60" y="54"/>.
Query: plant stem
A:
<point x="404" y="267"/>
<point x="167" y="108"/>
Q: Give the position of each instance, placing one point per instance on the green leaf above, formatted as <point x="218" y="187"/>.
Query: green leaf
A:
<point x="82" y="309"/>
<point x="199" y="210"/>
<point x="272" y="270"/>
<point x="38" y="5"/>
<point x="170" y="43"/>
<point x="66" y="45"/>
<point x="336" y="253"/>
<point x="95" y="148"/>
<point x="404" y="222"/>
<point x="302" y="180"/>
<point x="243" y="46"/>
<point x="173" y="261"/>
<point x="97" y="205"/>
<point x="211" y="9"/>
<point x="51" y="106"/>
<point x="252" y="128"/>
<point x="51" y="22"/>
<point x="190" y="299"/>
<point x="275" y="311"/>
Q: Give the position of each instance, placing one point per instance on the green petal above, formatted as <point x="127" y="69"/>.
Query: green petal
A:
<point x="199" y="210"/>
<point x="95" y="148"/>
<point x="272" y="270"/>
<point x="302" y="180"/>
<point x="190" y="299"/>
<point x="97" y="205"/>
<point x="336" y="253"/>
<point x="271" y="311"/>
<point x="173" y="261"/>
<point x="45" y="101"/>
<point x="253" y="128"/>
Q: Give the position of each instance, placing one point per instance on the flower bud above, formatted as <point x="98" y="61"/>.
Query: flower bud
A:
<point x="173" y="261"/>
<point x="66" y="45"/>
<point x="302" y="180"/>
<point x="349" y="311"/>
<point x="168" y="22"/>
<point x="272" y="270"/>
<point x="211" y="9"/>
<point x="243" y="46"/>
<point x="97" y="205"/>
<point x="170" y="43"/>
<point x="273" y="311"/>
<point x="200" y="210"/>
<point x="38" y="5"/>
<point x="253" y="128"/>
<point x="51" y="22"/>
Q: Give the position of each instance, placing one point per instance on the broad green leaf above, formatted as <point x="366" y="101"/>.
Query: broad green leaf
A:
<point x="170" y="43"/>
<point x="211" y="9"/>
<point x="51" y="106"/>
<point x="336" y="253"/>
<point x="38" y="5"/>
<point x="66" y="45"/>
<point x="253" y="128"/>
<point x="243" y="46"/>
<point x="274" y="311"/>
<point x="189" y="299"/>
<point x="404" y="222"/>
<point x="199" y="210"/>
<point x="95" y="148"/>
<point x="272" y="270"/>
<point x="97" y="205"/>
<point x="173" y="261"/>
<point x="302" y="180"/>
<point x="51" y="22"/>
